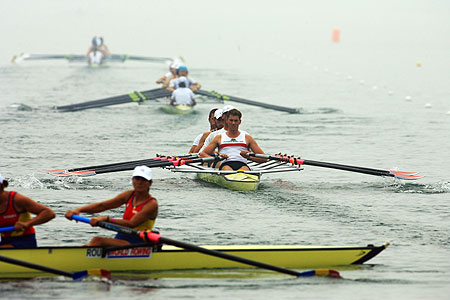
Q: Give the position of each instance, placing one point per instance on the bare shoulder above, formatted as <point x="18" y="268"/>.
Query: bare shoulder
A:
<point x="124" y="196"/>
<point x="21" y="199"/>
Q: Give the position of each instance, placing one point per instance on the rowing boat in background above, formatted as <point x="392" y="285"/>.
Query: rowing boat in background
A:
<point x="147" y="259"/>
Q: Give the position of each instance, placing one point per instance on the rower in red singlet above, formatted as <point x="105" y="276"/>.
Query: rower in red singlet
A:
<point x="15" y="212"/>
<point x="233" y="145"/>
<point x="141" y="210"/>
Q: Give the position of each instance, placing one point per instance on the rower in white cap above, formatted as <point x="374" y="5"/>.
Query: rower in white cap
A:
<point x="141" y="210"/>
<point x="207" y="136"/>
<point x="182" y="71"/>
<point x="182" y="95"/>
<point x="165" y="79"/>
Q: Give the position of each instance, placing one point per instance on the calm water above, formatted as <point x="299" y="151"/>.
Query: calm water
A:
<point x="379" y="98"/>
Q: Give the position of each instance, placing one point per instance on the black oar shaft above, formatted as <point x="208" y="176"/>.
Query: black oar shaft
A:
<point x="131" y="97"/>
<point x="34" y="266"/>
<point x="246" y="101"/>
<point x="227" y="256"/>
<point x="347" y="168"/>
<point x="132" y="162"/>
<point x="300" y="161"/>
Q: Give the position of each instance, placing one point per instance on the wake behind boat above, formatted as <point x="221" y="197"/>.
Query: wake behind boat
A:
<point x="148" y="259"/>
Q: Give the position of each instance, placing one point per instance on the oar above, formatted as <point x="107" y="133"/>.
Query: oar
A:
<point x="163" y="163"/>
<point x="126" y="163"/>
<point x="131" y="97"/>
<point x="155" y="238"/>
<point x="75" y="276"/>
<point x="124" y="57"/>
<point x="245" y="101"/>
<point x="297" y="161"/>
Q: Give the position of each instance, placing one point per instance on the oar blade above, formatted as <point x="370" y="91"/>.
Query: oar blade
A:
<point x="405" y="176"/>
<point x="102" y="273"/>
<point x="321" y="272"/>
<point x="84" y="173"/>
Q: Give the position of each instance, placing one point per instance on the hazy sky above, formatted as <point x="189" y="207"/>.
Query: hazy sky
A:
<point x="210" y="31"/>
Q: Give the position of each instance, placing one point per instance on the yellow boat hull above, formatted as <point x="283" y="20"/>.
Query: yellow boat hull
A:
<point x="181" y="109"/>
<point x="169" y="258"/>
<point x="237" y="181"/>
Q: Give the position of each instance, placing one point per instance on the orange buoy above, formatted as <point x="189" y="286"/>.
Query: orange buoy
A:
<point x="336" y="35"/>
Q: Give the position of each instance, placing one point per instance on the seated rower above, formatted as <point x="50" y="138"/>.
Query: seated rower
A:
<point x="233" y="145"/>
<point x="209" y="135"/>
<point x="141" y="210"/>
<point x="182" y="71"/>
<point x="165" y="80"/>
<point x="221" y="117"/>
<point x="98" y="51"/>
<point x="212" y="127"/>
<point x="182" y="95"/>
<point x="15" y="211"/>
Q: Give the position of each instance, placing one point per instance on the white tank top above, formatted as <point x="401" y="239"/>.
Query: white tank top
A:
<point x="233" y="147"/>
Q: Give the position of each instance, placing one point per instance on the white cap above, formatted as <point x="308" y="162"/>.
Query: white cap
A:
<point x="174" y="65"/>
<point x="143" y="171"/>
<point x="182" y="79"/>
<point x="227" y="108"/>
<point x="218" y="113"/>
<point x="1" y="179"/>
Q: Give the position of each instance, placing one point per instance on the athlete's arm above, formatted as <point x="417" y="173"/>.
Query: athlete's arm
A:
<point x="101" y="206"/>
<point x="42" y="212"/>
<point x="209" y="150"/>
<point x="254" y="147"/>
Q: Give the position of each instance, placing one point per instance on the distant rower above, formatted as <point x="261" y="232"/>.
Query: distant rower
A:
<point x="233" y="144"/>
<point x="98" y="51"/>
<point x="182" y="71"/>
<point x="172" y="74"/>
<point x="182" y="95"/>
<point x="203" y="135"/>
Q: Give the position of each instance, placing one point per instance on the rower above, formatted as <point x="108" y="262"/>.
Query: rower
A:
<point x="221" y="119"/>
<point x="182" y="71"/>
<point x="208" y="136"/>
<point x="182" y="95"/>
<point x="165" y="80"/>
<point x="141" y="210"/>
<point x="233" y="145"/>
<point x="212" y="127"/>
<point x="98" y="51"/>
<point x="15" y="211"/>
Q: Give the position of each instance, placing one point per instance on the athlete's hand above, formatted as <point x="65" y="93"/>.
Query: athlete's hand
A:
<point x="20" y="226"/>
<point x="244" y="153"/>
<point x="71" y="212"/>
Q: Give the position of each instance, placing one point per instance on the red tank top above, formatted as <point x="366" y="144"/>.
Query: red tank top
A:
<point x="130" y="211"/>
<point x="11" y="216"/>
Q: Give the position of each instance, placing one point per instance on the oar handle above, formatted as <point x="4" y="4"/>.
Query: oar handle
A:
<point x="81" y="218"/>
<point x="7" y="229"/>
